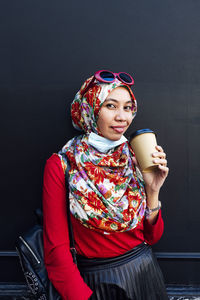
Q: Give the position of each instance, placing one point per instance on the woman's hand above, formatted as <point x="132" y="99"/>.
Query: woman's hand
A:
<point x="154" y="180"/>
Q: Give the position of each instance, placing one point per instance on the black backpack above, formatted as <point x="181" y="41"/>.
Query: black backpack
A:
<point x="30" y="250"/>
<point x="29" y="247"/>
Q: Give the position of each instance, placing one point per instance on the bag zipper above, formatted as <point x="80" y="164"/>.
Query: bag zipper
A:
<point x="29" y="248"/>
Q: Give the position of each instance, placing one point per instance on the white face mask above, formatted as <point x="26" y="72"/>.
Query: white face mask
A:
<point x="102" y="144"/>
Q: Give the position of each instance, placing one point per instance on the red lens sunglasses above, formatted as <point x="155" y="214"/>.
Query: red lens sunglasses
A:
<point x="109" y="77"/>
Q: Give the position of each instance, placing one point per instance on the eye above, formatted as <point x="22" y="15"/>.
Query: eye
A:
<point x="110" y="106"/>
<point x="128" y="107"/>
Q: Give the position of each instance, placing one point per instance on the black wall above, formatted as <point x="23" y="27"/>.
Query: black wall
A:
<point x="48" y="48"/>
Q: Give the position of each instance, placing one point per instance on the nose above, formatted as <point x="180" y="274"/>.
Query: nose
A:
<point x="120" y="115"/>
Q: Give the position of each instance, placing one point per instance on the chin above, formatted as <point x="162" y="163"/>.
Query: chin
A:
<point x="115" y="138"/>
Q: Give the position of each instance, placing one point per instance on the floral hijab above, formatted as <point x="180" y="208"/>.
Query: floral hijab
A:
<point x="105" y="192"/>
<point x="85" y="109"/>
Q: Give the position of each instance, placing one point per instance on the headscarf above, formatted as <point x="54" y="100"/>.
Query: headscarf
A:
<point x="85" y="108"/>
<point x="105" y="192"/>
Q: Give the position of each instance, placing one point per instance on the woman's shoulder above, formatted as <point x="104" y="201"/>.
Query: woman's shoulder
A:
<point x="53" y="171"/>
<point x="53" y="163"/>
<point x="53" y="159"/>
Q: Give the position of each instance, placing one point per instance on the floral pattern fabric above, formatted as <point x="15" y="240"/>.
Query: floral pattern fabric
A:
<point x="105" y="192"/>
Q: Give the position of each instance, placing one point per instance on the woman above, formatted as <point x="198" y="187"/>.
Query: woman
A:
<point x="115" y="213"/>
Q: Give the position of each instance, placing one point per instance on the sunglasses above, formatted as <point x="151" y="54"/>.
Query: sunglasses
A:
<point x="109" y="77"/>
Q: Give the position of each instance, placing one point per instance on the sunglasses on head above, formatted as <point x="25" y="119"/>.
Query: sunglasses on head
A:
<point x="109" y="77"/>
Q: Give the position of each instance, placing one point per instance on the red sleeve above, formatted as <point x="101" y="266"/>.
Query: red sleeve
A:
<point x="62" y="272"/>
<point x="153" y="233"/>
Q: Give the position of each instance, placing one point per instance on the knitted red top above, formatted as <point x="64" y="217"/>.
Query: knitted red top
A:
<point x="62" y="272"/>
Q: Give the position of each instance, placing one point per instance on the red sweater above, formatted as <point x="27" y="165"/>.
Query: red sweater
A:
<point x="62" y="272"/>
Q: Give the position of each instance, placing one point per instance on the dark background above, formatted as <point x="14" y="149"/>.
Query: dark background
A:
<point x="48" y="48"/>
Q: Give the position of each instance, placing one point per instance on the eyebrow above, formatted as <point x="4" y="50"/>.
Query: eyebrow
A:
<point x="110" y="99"/>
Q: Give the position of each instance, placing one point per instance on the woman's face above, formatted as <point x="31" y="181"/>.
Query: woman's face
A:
<point x="115" y="115"/>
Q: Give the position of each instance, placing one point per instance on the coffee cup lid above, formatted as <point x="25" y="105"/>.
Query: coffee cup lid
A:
<point x="141" y="131"/>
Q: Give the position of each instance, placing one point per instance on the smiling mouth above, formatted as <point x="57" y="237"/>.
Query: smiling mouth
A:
<point x="118" y="129"/>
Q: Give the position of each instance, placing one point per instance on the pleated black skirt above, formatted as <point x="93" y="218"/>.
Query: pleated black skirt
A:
<point x="135" y="275"/>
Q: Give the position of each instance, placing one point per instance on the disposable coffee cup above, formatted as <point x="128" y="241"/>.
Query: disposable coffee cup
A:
<point x="143" y="143"/>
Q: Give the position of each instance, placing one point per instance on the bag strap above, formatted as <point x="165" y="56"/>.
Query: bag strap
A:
<point x="70" y="229"/>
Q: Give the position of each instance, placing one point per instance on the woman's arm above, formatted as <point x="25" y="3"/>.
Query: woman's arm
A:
<point x="154" y="181"/>
<point x="153" y="232"/>
<point x="61" y="270"/>
<point x="153" y="226"/>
